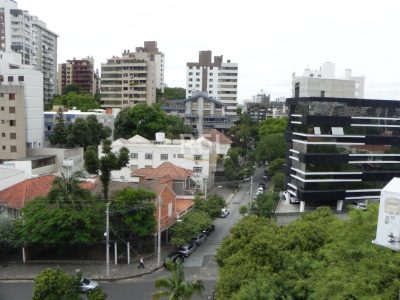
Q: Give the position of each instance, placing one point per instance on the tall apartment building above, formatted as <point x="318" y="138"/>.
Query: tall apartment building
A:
<point x="21" y="107"/>
<point x="323" y="83"/>
<point x="77" y="71"/>
<point x="218" y="78"/>
<point x="341" y="150"/>
<point x="128" y="80"/>
<point x="150" y="47"/>
<point x="26" y="34"/>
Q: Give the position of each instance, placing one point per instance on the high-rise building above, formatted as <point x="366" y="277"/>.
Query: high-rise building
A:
<point x="77" y="71"/>
<point x="150" y="47"/>
<point x="341" y="150"/>
<point x="218" y="78"/>
<point x="21" y="107"/>
<point x="25" y="34"/>
<point x="323" y="83"/>
<point x="128" y="80"/>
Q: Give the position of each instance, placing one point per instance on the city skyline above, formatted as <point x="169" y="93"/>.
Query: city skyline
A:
<point x="268" y="41"/>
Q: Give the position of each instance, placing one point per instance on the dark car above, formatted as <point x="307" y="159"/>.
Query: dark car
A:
<point x="174" y="257"/>
<point x="209" y="229"/>
<point x="200" y="239"/>
<point x="187" y="249"/>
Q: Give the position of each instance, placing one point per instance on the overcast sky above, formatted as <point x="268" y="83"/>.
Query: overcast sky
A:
<point x="268" y="39"/>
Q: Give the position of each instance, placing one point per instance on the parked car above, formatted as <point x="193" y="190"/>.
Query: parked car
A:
<point x="200" y="239"/>
<point x="260" y="188"/>
<point x="174" y="256"/>
<point x="86" y="285"/>
<point x="187" y="249"/>
<point x="209" y="229"/>
<point x="294" y="200"/>
<point x="262" y="185"/>
<point x="359" y="205"/>
<point x="224" y="213"/>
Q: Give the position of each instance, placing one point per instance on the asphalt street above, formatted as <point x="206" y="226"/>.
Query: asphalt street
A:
<point x="200" y="265"/>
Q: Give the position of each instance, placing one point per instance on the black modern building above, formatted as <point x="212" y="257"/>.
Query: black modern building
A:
<point x="341" y="150"/>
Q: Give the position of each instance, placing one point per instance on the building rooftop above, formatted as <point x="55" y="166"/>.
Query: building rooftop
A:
<point x="217" y="137"/>
<point x="7" y="173"/>
<point x="163" y="170"/>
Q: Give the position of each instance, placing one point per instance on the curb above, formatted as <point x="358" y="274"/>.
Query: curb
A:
<point x="94" y="278"/>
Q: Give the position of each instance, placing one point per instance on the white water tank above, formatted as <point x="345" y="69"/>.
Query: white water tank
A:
<point x="160" y="137"/>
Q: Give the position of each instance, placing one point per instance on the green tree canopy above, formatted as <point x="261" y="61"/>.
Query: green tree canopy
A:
<point x="272" y="125"/>
<point x="59" y="135"/>
<point x="52" y="284"/>
<point x="83" y="102"/>
<point x="271" y="147"/>
<point x="176" y="287"/>
<point x="275" y="166"/>
<point x="265" y="204"/>
<point x="72" y="88"/>
<point x="91" y="160"/>
<point x="138" y="210"/>
<point x="211" y="206"/>
<point x="146" y="120"/>
<point x="192" y="223"/>
<point x="174" y="93"/>
<point x="316" y="257"/>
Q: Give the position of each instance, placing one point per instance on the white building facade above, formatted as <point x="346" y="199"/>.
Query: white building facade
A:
<point x="25" y="34"/>
<point x="197" y="155"/>
<point x="323" y="83"/>
<point x="218" y="78"/>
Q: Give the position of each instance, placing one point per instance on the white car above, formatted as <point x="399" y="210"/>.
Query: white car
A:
<point x="359" y="205"/>
<point x="294" y="200"/>
<point x="260" y="188"/>
<point x="86" y="285"/>
<point x="224" y="213"/>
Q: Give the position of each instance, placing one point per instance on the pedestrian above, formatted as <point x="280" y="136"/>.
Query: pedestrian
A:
<point x="141" y="263"/>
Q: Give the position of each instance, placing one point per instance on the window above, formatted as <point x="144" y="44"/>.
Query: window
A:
<point x="148" y="156"/>
<point x="3" y="134"/>
<point x="164" y="156"/>
<point x="11" y="110"/>
<point x="197" y="157"/>
<point x="197" y="169"/>
<point x="211" y="80"/>
<point x="13" y="136"/>
<point x="210" y="86"/>
<point x="180" y="156"/>
<point x="211" y="74"/>
<point x="11" y="96"/>
<point x="197" y="73"/>
<point x="190" y="73"/>
<point x="10" y="79"/>
<point x="169" y="209"/>
<point x="2" y="108"/>
<point x="4" y="147"/>
<point x="148" y="167"/>
<point x="134" y="155"/>
<point x="12" y="122"/>
<point x="190" y="85"/>
<point x="20" y="78"/>
<point x="13" y="148"/>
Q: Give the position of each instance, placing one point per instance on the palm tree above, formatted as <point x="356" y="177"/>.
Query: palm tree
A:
<point x="67" y="190"/>
<point x="175" y="287"/>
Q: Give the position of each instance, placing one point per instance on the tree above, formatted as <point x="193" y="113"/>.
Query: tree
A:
<point x="52" y="284"/>
<point x="211" y="206"/>
<point x="272" y="125"/>
<point x="111" y="162"/>
<point x="147" y="120"/>
<point x="271" y="147"/>
<point x="87" y="132"/>
<point x="59" y="135"/>
<point x="192" y="223"/>
<point x="174" y="93"/>
<point x="96" y="294"/>
<point x="72" y="88"/>
<point x="7" y="233"/>
<point x="175" y="287"/>
<point x="265" y="204"/>
<point x="91" y="160"/>
<point x="55" y="223"/>
<point x="275" y="166"/>
<point x="73" y="100"/>
<point x="67" y="191"/>
<point x="279" y="181"/>
<point x="138" y="218"/>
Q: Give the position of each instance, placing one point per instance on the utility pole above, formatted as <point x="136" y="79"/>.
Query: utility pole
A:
<point x="205" y="187"/>
<point x="107" y="234"/>
<point x="159" y="233"/>
<point x="251" y="193"/>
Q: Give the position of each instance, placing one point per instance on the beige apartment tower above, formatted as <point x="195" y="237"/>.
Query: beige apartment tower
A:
<point x="128" y="80"/>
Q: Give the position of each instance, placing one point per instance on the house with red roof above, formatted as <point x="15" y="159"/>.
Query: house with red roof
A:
<point x="172" y="185"/>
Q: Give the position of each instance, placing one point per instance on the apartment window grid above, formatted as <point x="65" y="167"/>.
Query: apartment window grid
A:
<point x="148" y="156"/>
<point x="181" y="156"/>
<point x="197" y="169"/>
<point x="197" y="157"/>
<point x="164" y="156"/>
<point x="134" y="155"/>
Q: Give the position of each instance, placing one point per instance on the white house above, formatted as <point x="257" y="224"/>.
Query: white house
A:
<point x="197" y="155"/>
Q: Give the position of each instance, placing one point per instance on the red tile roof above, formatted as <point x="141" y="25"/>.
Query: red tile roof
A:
<point x="166" y="168"/>
<point x="217" y="137"/>
<point x="17" y="195"/>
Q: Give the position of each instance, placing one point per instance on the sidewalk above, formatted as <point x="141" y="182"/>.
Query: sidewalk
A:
<point x="95" y="270"/>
